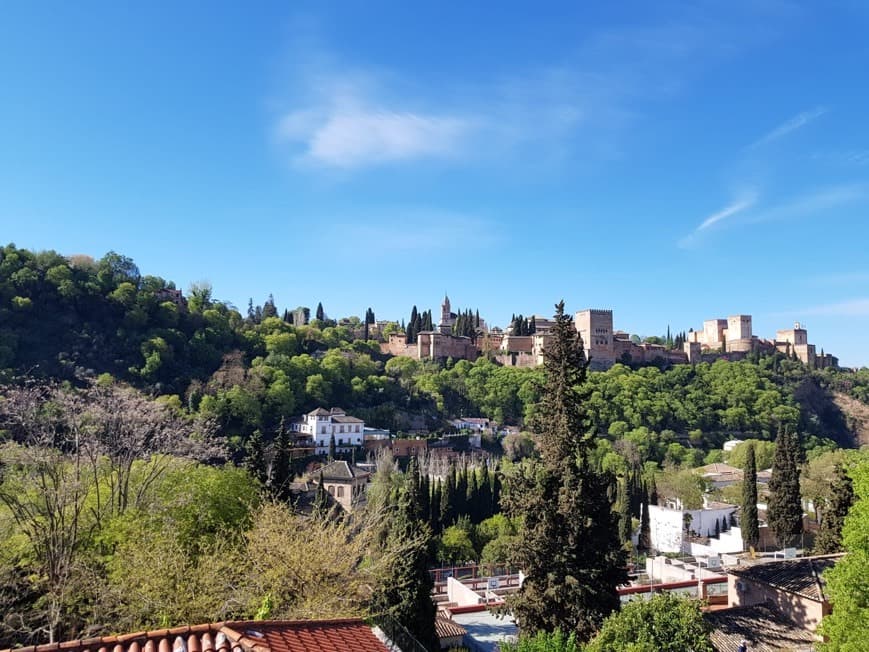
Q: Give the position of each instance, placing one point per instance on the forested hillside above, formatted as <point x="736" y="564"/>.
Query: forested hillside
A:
<point x="70" y="318"/>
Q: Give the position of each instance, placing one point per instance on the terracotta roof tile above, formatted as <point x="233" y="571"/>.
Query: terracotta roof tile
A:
<point x="801" y="576"/>
<point x="243" y="636"/>
<point x="448" y="628"/>
<point x="765" y="629"/>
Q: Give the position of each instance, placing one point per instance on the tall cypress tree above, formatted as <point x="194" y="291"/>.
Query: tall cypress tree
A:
<point x="829" y="539"/>
<point x="405" y="592"/>
<point x="281" y="475"/>
<point x="447" y="511"/>
<point x="254" y="458"/>
<point x="644" y="543"/>
<point x="748" y="518"/>
<point x="785" y="505"/>
<point x="320" y="314"/>
<point x="484" y="495"/>
<point x="435" y="508"/>
<point x="571" y="554"/>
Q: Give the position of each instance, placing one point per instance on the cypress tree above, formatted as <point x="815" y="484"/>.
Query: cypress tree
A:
<point x="460" y="497"/>
<point x="281" y="475"/>
<point x="653" y="491"/>
<point x="644" y="543"/>
<point x="320" y="314"/>
<point x="435" y="508"/>
<point x="785" y="505"/>
<point x="254" y="459"/>
<point x="829" y="539"/>
<point x="405" y="592"/>
<point x="472" y="496"/>
<point x="332" y="447"/>
<point x="484" y="495"/>
<point x="623" y="509"/>
<point x="322" y="503"/>
<point x="571" y="555"/>
<point x="748" y="519"/>
<point x="447" y="511"/>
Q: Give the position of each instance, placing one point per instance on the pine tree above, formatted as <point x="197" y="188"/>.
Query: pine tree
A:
<point x="785" y="513"/>
<point x="571" y="555"/>
<point x="320" y="315"/>
<point x="829" y="539"/>
<point x="269" y="308"/>
<point x="250" y="311"/>
<point x="748" y="518"/>
<point x="404" y="593"/>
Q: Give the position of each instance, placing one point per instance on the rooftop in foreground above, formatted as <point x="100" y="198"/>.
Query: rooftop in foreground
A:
<point x="244" y="636"/>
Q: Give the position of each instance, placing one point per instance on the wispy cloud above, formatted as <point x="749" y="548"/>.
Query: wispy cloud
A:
<point x="851" y="308"/>
<point x="332" y="114"/>
<point x="739" y="205"/>
<point x="814" y="202"/>
<point x="789" y="126"/>
<point x="744" y="210"/>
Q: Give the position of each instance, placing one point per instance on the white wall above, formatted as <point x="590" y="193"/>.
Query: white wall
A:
<point x="667" y="526"/>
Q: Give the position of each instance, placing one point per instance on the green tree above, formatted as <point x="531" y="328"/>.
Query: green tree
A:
<point x="405" y="592"/>
<point x="748" y="519"/>
<point x="320" y="315"/>
<point x="665" y="623"/>
<point x="571" y="555"/>
<point x="785" y="513"/>
<point x="847" y="628"/>
<point x="556" y="641"/>
<point x="829" y="539"/>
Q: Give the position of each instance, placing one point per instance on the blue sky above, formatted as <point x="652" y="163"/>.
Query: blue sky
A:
<point x="672" y="161"/>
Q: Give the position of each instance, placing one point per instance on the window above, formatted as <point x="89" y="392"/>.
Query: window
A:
<point x="341" y="442"/>
<point x="331" y="489"/>
<point x="340" y="492"/>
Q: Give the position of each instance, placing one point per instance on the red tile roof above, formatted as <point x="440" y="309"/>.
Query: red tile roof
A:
<point x="246" y="636"/>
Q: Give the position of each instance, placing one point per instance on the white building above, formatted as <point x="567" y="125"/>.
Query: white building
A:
<point x="320" y="425"/>
<point x="668" y="528"/>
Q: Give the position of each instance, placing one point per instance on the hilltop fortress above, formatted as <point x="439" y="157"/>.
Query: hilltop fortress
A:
<point x="732" y="338"/>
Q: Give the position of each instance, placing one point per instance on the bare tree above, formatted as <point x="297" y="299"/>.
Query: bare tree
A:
<point x="44" y="486"/>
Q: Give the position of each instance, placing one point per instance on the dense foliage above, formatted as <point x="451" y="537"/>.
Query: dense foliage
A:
<point x="570" y="553"/>
<point x="664" y="623"/>
<point x="847" y="628"/>
<point x="785" y="510"/>
<point x="748" y="519"/>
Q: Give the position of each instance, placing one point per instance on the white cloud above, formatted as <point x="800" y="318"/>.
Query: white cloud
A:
<point x="737" y="206"/>
<point x="734" y="208"/>
<point x="356" y="137"/>
<point x="797" y="122"/>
